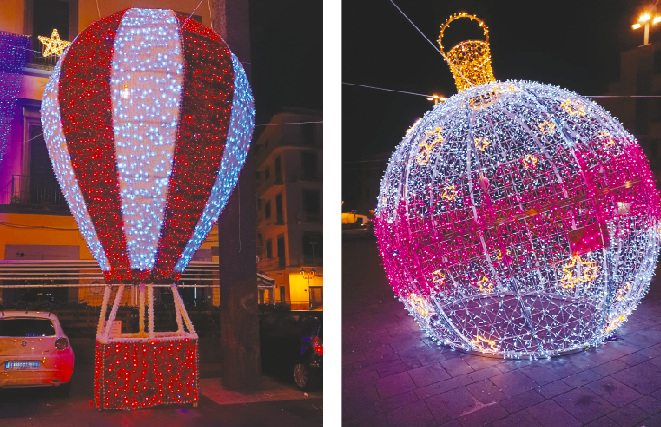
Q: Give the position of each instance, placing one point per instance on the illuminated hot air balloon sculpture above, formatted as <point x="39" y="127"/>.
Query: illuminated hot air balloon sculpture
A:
<point x="517" y="219"/>
<point x="148" y="118"/>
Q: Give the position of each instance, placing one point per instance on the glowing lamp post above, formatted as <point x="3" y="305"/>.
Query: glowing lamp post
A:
<point x="644" y="21"/>
<point x="517" y="219"/>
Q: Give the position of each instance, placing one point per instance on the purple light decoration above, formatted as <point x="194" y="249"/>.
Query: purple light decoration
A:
<point x="14" y="49"/>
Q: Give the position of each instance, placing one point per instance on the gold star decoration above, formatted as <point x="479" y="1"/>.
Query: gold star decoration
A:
<point x="418" y="304"/>
<point x="478" y="343"/>
<point x="485" y="281"/>
<point x="606" y="136"/>
<point x="589" y="271"/>
<point x="425" y="147"/>
<point x="573" y="107"/>
<point x="438" y="278"/>
<point x="53" y="45"/>
<point x="530" y="161"/>
<point x="481" y="143"/>
<point x="449" y="192"/>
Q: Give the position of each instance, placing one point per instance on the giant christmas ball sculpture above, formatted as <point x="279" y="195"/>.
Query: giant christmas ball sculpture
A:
<point x="517" y="219"/>
<point x="148" y="118"/>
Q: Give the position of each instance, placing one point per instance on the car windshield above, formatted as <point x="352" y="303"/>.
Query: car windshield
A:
<point x="26" y="328"/>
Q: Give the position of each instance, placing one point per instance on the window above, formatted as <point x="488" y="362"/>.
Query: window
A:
<point x="42" y="17"/>
<point x="278" y="208"/>
<point x="308" y="165"/>
<point x="259" y="205"/>
<point x="312" y="247"/>
<point x="278" y="170"/>
<point x="267" y="174"/>
<point x="267" y="210"/>
<point x="269" y="248"/>
<point x="26" y="328"/>
<point x="311" y="201"/>
<point x="309" y="133"/>
<point x="281" y="251"/>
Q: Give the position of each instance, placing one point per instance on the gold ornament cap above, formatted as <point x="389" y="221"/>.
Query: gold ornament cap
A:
<point x="470" y="60"/>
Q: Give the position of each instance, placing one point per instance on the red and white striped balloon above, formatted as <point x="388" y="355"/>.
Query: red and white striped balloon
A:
<point x="148" y="118"/>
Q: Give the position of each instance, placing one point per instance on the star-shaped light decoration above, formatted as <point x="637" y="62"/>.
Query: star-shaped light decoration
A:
<point x="53" y="45"/>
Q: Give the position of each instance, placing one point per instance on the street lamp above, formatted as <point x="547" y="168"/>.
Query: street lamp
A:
<point x="436" y="99"/>
<point x="308" y="274"/>
<point x="645" y="20"/>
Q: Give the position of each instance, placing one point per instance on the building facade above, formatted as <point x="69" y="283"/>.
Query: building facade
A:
<point x="289" y="207"/>
<point x="38" y="236"/>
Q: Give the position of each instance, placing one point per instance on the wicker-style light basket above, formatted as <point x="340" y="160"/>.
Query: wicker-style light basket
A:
<point x="145" y="369"/>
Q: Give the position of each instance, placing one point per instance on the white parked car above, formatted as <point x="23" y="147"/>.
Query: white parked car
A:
<point x="34" y="351"/>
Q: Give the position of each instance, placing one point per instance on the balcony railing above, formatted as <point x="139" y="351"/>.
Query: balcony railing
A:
<point x="306" y="217"/>
<point x="36" y="59"/>
<point x="35" y="193"/>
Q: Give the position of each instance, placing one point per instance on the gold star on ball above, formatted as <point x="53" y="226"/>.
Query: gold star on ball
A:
<point x="53" y="45"/>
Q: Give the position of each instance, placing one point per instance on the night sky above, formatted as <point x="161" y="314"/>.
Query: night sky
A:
<point x="573" y="44"/>
<point x="286" y="48"/>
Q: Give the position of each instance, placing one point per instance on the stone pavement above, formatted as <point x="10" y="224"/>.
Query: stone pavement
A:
<point x="393" y="376"/>
<point x="277" y="404"/>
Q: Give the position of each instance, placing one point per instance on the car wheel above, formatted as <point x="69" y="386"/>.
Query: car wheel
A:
<point x="302" y="376"/>
<point x="64" y="389"/>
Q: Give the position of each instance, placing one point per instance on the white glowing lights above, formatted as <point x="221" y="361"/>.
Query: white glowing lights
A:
<point x="531" y="231"/>
<point x="146" y="84"/>
<point x="57" y="146"/>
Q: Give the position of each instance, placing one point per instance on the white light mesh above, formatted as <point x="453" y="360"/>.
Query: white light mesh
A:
<point x="59" y="153"/>
<point x="146" y="84"/>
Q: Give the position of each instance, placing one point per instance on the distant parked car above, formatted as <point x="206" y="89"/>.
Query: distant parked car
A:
<point x="292" y="343"/>
<point x="34" y="351"/>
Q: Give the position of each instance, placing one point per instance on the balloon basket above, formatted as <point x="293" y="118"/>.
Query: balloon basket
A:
<point x="145" y="369"/>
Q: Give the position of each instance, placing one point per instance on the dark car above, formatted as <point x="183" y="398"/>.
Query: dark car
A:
<point x="292" y="345"/>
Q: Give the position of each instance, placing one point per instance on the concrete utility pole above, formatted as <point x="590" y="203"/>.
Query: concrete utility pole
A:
<point x="239" y="324"/>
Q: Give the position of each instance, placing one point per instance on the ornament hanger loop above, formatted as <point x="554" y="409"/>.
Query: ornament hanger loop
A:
<point x="458" y="16"/>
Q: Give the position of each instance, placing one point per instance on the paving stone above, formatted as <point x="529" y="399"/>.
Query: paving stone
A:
<point x="649" y="404"/>
<point x="443" y="386"/>
<point x="540" y="374"/>
<point x="644" y="377"/>
<point x="351" y="379"/>
<point x="358" y="401"/>
<point x="653" y="421"/>
<point x="513" y="383"/>
<point x="395" y="368"/>
<point x="481" y="362"/>
<point x="553" y="389"/>
<point x="483" y="415"/>
<point x="413" y="415"/>
<point x="602" y="422"/>
<point x="584" y="404"/>
<point x="428" y="375"/>
<point x="628" y="416"/>
<point x="452" y="404"/>
<point x="584" y="360"/>
<point x="352" y="357"/>
<point x="634" y="358"/>
<point x="581" y="378"/>
<point x="456" y="367"/>
<point x="485" y="373"/>
<point x="609" y="368"/>
<point x="453" y="423"/>
<point x="486" y="392"/>
<point x="399" y="329"/>
<point x="394" y="385"/>
<point x="521" y="401"/>
<point x="519" y="419"/>
<point x="614" y="391"/>
<point x="550" y="414"/>
<point x="562" y="366"/>
<point x="395" y="402"/>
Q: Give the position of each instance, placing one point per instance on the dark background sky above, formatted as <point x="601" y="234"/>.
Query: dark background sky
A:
<point x="574" y="44"/>
<point x="286" y="48"/>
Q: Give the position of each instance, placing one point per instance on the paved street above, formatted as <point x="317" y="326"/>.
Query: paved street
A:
<point x="393" y="376"/>
<point x="277" y="404"/>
